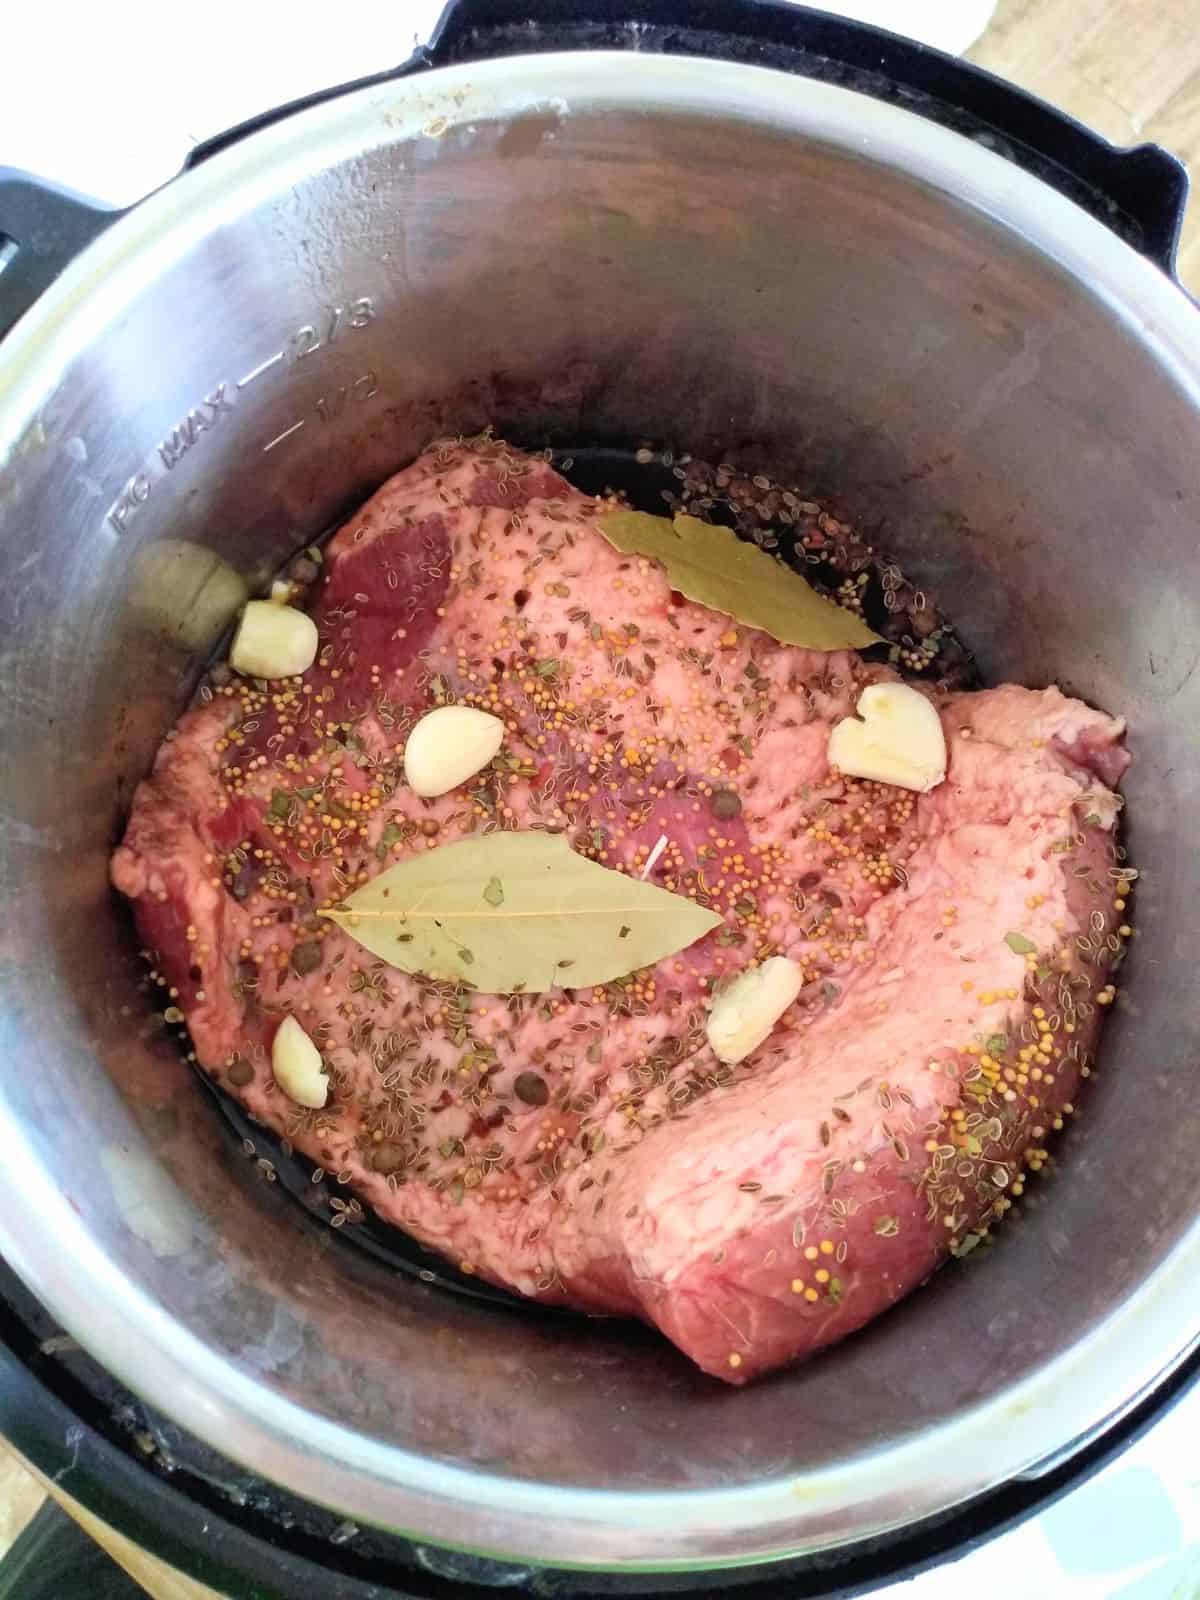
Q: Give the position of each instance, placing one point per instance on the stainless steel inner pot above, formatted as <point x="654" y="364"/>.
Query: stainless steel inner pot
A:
<point x="587" y="247"/>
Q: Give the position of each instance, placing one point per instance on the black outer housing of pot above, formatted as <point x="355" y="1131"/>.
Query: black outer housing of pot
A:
<point x="171" y="1495"/>
<point x="1139" y="193"/>
<point x="56" y="1405"/>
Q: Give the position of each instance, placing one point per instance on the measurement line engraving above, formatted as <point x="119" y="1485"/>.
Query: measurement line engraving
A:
<point x="135" y="493"/>
<point x="257" y="372"/>
<point x="286" y="434"/>
<point x="329" y="325"/>
<point x="183" y="436"/>
<point x="331" y="406"/>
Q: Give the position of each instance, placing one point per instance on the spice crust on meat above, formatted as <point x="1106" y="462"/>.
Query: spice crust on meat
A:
<point x="587" y="1147"/>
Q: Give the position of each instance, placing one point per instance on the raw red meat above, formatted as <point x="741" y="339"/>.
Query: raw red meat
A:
<point x="588" y="1148"/>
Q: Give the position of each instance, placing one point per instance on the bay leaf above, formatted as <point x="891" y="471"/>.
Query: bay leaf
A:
<point x="559" y="917"/>
<point x="1019" y="944"/>
<point x="715" y="568"/>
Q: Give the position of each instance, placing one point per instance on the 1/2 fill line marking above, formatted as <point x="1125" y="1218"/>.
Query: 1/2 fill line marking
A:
<point x="280" y="437"/>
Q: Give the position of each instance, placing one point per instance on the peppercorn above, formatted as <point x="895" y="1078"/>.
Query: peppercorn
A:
<point x="306" y="957"/>
<point x="531" y="1087"/>
<point x="725" y="804"/>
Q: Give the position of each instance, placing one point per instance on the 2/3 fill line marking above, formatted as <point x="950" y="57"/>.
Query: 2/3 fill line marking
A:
<point x="257" y="372"/>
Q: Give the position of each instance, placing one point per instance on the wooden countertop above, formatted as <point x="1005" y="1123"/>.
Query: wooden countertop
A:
<point x="1128" y="68"/>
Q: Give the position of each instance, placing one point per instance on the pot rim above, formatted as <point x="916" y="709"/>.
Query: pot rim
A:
<point x="1063" y="1403"/>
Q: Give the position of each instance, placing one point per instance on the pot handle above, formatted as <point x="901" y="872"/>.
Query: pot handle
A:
<point x="41" y="228"/>
<point x="1139" y="193"/>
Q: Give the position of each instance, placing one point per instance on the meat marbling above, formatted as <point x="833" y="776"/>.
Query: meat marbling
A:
<point x="587" y="1147"/>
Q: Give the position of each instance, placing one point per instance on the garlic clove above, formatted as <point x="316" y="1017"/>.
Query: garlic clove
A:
<point x="896" y="738"/>
<point x="448" y="746"/>
<point x="744" y="1014"/>
<point x="273" y="641"/>
<point x="297" y="1066"/>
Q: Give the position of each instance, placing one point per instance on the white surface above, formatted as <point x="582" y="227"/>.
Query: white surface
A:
<point x="109" y="103"/>
<point x="1130" y="1533"/>
<point x="952" y="25"/>
<point x="108" y="99"/>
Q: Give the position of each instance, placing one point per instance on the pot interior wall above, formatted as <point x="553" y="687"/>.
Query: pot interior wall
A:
<point x="703" y="280"/>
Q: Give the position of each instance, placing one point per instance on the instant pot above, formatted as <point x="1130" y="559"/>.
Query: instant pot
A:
<point x="748" y="231"/>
